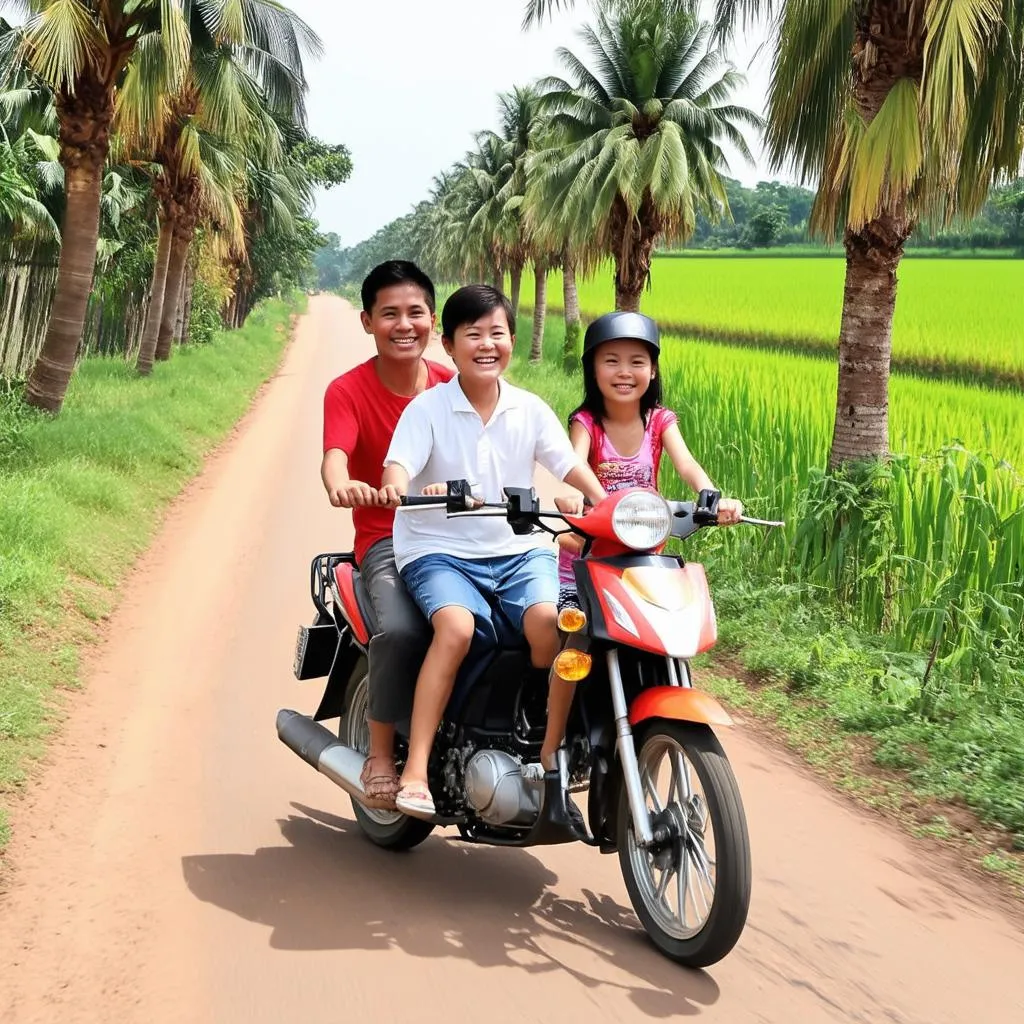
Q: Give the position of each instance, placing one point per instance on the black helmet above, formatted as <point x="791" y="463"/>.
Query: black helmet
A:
<point x="618" y="326"/>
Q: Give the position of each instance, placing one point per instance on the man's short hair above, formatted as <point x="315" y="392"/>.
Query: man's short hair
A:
<point x="390" y="273"/>
<point x="469" y="304"/>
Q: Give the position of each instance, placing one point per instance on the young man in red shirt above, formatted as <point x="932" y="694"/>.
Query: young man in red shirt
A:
<point x="361" y="410"/>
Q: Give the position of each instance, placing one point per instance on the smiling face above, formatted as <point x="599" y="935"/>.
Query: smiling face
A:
<point x="400" y="322"/>
<point x="482" y="349"/>
<point x="624" y="371"/>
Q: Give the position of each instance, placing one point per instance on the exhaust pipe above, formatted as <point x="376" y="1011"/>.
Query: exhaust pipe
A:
<point x="323" y="750"/>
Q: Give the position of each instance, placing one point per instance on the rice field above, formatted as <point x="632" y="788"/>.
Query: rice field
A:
<point x="937" y="559"/>
<point x="953" y="317"/>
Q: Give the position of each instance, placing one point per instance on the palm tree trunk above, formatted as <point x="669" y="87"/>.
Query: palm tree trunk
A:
<point x="540" y="308"/>
<point x="516" y="285"/>
<point x="147" y="348"/>
<point x="172" y="292"/>
<point x="873" y="255"/>
<point x="571" y="304"/>
<point x="633" y="272"/>
<point x="873" y="252"/>
<point x="179" y="320"/>
<point x="186" y="303"/>
<point x="48" y="382"/>
<point x="498" y="279"/>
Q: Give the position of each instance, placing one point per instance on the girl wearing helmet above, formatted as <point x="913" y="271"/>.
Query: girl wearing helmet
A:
<point x="621" y="429"/>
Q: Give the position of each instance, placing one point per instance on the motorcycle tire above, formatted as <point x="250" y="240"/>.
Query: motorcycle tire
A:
<point x="730" y="902"/>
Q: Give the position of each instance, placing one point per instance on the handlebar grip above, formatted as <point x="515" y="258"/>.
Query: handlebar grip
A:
<point x="424" y="499"/>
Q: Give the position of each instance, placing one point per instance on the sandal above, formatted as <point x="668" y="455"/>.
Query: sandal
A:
<point x="379" y="790"/>
<point x="414" y="799"/>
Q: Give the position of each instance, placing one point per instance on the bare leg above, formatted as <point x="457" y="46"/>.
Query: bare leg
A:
<point x="560" y="694"/>
<point x="540" y="624"/>
<point x="453" y="634"/>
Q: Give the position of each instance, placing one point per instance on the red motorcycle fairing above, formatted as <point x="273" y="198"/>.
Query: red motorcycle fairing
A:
<point x="346" y="594"/>
<point x="651" y="602"/>
<point x="679" y="703"/>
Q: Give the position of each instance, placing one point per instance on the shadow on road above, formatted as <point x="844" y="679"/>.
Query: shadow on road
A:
<point x="331" y="889"/>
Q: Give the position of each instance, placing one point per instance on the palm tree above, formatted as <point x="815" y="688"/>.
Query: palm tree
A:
<point x="81" y="50"/>
<point x="520" y="121"/>
<point x="639" y="152"/>
<point x="904" y="113"/>
<point x="228" y="92"/>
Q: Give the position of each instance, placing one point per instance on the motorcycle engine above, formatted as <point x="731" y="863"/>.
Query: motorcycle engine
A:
<point x="497" y="791"/>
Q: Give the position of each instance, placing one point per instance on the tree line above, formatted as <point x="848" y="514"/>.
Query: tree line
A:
<point x="156" y="177"/>
<point x="903" y="116"/>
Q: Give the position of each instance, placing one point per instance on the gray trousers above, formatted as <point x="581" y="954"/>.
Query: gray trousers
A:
<point x="398" y="648"/>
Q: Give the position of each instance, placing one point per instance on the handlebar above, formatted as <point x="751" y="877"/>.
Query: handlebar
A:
<point x="524" y="514"/>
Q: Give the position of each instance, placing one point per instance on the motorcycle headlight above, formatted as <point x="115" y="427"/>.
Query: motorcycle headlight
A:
<point x="642" y="520"/>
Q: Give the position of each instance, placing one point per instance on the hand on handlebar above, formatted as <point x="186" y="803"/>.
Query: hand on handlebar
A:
<point x="390" y="496"/>
<point x="730" y="511"/>
<point x="439" y="490"/>
<point x="569" y="505"/>
<point x="353" y="494"/>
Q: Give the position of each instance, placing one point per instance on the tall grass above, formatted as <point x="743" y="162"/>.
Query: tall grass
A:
<point x="953" y="317"/>
<point x="80" y="497"/>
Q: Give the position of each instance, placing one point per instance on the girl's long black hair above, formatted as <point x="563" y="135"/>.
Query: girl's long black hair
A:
<point x="593" y="400"/>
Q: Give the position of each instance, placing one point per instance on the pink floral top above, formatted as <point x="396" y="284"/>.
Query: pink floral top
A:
<point x="616" y="472"/>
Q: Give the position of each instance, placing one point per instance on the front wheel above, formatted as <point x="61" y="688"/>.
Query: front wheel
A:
<point x="391" y="830"/>
<point x="691" y="890"/>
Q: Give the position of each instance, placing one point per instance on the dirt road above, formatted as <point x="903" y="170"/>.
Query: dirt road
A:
<point x="177" y="863"/>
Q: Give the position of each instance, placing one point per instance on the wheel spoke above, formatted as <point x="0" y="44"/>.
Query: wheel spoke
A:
<point x="652" y="792"/>
<point x="681" y="777"/>
<point x="682" y="886"/>
<point x="666" y="876"/>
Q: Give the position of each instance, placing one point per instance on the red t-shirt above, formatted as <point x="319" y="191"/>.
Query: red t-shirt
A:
<point x="360" y="416"/>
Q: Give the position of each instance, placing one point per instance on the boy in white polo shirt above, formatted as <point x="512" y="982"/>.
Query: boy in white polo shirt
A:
<point x="480" y="428"/>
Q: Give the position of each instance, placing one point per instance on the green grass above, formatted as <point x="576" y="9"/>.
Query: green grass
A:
<point x="962" y="318"/>
<point x="80" y="498"/>
<point x="842" y="610"/>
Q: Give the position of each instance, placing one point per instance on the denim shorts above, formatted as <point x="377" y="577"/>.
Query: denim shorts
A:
<point x="508" y="585"/>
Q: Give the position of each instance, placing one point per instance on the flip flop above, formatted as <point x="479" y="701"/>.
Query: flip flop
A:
<point x="415" y="800"/>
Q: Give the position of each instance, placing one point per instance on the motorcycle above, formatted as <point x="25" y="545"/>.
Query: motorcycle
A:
<point x="640" y="742"/>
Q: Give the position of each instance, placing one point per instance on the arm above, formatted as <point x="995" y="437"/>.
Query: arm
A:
<point x="341" y="435"/>
<point x="581" y="476"/>
<point x="561" y="458"/>
<point x="579" y="438"/>
<point x="692" y="473"/>
<point x="394" y="484"/>
<point x="342" y="491"/>
<point x="411" y="446"/>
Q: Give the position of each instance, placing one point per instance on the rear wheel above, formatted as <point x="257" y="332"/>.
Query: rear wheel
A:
<point x="390" y="830"/>
<point x="691" y="890"/>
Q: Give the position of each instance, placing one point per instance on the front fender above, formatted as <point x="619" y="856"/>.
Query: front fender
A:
<point x="679" y="703"/>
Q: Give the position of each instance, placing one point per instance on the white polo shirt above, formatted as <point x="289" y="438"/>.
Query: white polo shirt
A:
<point x="441" y="437"/>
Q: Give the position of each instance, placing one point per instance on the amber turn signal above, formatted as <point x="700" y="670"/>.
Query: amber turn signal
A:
<point x="572" y="666"/>
<point x="571" y="620"/>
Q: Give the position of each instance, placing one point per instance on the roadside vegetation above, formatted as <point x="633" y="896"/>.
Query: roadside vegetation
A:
<point x="156" y="189"/>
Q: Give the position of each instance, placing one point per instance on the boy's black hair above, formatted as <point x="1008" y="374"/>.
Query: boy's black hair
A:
<point x="393" y="272"/>
<point x="469" y="304"/>
<point x="593" y="400"/>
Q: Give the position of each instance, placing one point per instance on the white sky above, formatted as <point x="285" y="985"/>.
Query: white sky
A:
<point x="405" y="84"/>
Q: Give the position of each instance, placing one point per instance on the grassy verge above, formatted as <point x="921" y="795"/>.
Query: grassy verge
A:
<point x="846" y="699"/>
<point x="82" y="495"/>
